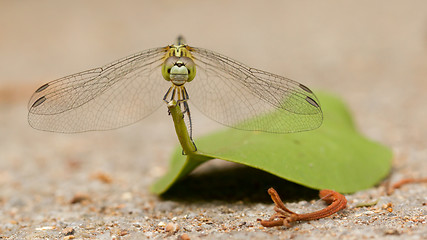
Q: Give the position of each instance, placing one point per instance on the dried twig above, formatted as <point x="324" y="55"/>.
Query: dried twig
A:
<point x="284" y="216"/>
<point x="391" y="188"/>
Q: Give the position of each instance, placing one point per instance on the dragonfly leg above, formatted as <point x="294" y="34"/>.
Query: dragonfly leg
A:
<point x="184" y="101"/>
<point x="166" y="95"/>
<point x="183" y="97"/>
<point x="180" y="106"/>
<point x="190" y="125"/>
<point x="187" y="110"/>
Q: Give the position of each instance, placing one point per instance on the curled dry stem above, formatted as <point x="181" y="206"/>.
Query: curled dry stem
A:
<point x="390" y="188"/>
<point x="284" y="216"/>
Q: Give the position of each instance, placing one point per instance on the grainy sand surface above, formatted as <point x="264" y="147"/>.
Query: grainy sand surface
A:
<point x="371" y="53"/>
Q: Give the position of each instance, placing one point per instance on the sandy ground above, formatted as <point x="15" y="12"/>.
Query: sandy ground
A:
<point x="95" y="185"/>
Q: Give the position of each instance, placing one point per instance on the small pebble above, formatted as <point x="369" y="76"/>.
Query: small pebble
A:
<point x="45" y="228"/>
<point x="79" y="198"/>
<point x="368" y="212"/>
<point x="391" y="232"/>
<point x="184" y="237"/>
<point x="68" y="231"/>
<point x="127" y="196"/>
<point x="103" y="177"/>
<point x="171" y="227"/>
<point x="123" y="233"/>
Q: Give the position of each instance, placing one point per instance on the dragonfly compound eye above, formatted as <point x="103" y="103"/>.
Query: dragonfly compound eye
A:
<point x="191" y="67"/>
<point x="167" y="66"/>
<point x="179" y="70"/>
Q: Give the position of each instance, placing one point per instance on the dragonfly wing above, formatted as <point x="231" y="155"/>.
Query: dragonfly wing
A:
<point x="238" y="96"/>
<point x="108" y="97"/>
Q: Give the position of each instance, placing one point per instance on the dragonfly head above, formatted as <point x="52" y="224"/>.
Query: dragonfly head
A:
<point x="179" y="70"/>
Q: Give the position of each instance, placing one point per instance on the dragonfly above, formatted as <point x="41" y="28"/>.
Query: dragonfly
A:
<point x="129" y="89"/>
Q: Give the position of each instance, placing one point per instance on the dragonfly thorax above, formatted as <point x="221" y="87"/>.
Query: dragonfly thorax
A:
<point x="178" y="70"/>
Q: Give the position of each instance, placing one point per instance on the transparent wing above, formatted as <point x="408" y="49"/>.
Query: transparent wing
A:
<point x="108" y="97"/>
<point x="246" y="98"/>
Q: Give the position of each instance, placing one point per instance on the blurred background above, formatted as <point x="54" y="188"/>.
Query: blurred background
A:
<point x="373" y="54"/>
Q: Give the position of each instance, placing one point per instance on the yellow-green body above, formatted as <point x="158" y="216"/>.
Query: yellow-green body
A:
<point x="178" y="68"/>
<point x="178" y="61"/>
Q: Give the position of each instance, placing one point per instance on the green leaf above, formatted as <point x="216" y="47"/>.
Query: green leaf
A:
<point x="334" y="156"/>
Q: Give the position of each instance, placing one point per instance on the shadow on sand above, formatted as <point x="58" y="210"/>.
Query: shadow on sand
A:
<point x="231" y="182"/>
